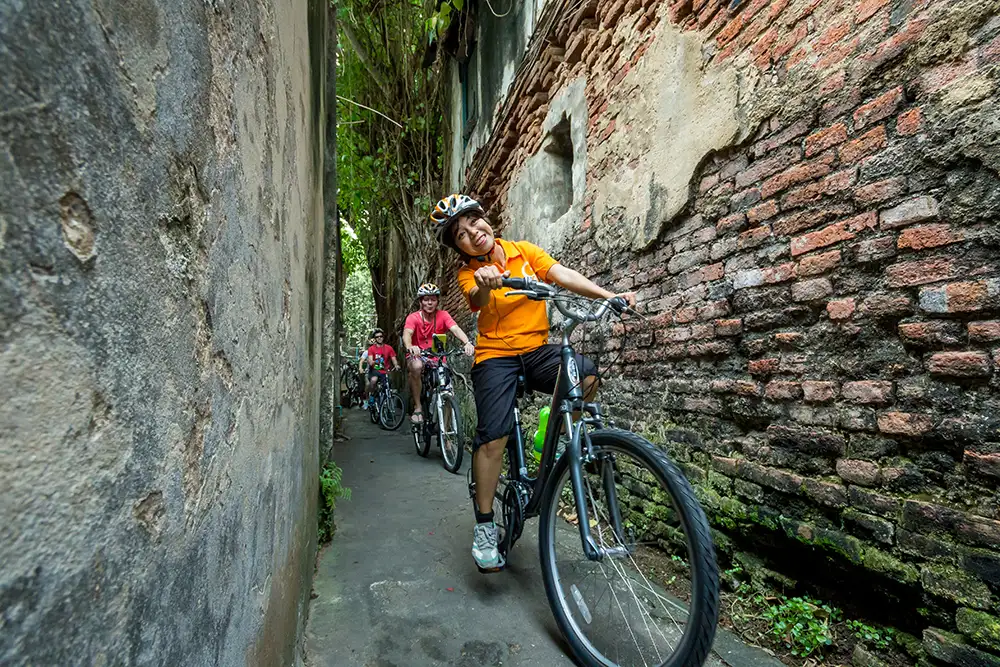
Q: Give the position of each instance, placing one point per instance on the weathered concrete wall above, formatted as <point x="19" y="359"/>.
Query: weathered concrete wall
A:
<point x="804" y="194"/>
<point x="160" y="276"/>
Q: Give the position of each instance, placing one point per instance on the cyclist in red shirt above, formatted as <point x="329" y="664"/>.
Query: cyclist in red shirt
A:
<point x="418" y="333"/>
<point x="378" y="355"/>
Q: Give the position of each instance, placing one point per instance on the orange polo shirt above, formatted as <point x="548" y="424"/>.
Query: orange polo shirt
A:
<point x="510" y="325"/>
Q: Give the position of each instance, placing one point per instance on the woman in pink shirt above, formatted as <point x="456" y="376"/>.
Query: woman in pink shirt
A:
<point x="418" y="334"/>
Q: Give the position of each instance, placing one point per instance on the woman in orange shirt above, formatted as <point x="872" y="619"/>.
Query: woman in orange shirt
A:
<point x="513" y="338"/>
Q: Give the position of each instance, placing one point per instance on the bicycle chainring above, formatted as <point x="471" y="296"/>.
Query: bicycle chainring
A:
<point x="514" y="500"/>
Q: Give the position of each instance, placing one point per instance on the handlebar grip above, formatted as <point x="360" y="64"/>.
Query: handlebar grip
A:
<point x="515" y="283"/>
<point x="618" y="304"/>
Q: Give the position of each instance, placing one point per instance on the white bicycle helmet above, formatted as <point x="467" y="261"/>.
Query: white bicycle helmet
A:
<point x="448" y="210"/>
<point x="428" y="289"/>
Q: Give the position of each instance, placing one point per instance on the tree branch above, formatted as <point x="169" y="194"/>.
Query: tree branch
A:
<point x="363" y="56"/>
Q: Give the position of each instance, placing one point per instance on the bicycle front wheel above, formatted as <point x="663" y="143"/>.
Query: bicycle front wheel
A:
<point x="450" y="434"/>
<point x="392" y="411"/>
<point x="615" y="611"/>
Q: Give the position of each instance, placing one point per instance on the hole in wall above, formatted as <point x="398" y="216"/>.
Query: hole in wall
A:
<point x="558" y="147"/>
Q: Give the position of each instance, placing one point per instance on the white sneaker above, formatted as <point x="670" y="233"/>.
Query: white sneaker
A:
<point x="485" y="537"/>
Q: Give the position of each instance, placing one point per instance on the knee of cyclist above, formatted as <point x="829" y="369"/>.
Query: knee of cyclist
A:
<point x="416" y="366"/>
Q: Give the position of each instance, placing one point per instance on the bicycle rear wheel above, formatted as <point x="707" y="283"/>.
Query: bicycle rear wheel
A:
<point x="610" y="610"/>
<point x="373" y="410"/>
<point x="392" y="412"/>
<point x="450" y="434"/>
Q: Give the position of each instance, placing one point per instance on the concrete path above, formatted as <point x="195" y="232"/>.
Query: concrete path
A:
<point x="398" y="588"/>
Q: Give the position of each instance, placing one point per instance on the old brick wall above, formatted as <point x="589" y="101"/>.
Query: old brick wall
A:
<point x="825" y="306"/>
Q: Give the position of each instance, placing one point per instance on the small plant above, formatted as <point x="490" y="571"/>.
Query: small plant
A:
<point x="802" y="624"/>
<point x="879" y="638"/>
<point x="330" y="490"/>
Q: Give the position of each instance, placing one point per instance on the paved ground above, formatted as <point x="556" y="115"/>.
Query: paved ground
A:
<point x="398" y="588"/>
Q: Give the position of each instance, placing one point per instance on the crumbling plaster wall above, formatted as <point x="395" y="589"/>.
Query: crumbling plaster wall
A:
<point x="160" y="272"/>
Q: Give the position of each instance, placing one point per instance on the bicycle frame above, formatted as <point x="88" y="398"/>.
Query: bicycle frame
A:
<point x="567" y="399"/>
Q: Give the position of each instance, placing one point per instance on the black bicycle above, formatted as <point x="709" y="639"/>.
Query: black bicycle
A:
<point x="629" y="503"/>
<point x="442" y="416"/>
<point x="386" y="406"/>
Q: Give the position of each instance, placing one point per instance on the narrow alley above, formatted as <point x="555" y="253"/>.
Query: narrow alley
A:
<point x="397" y="586"/>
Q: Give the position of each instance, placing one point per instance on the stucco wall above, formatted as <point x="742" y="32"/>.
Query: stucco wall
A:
<point x="160" y="271"/>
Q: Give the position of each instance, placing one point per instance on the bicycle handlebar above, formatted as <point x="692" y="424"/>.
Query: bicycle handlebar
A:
<point x="540" y="291"/>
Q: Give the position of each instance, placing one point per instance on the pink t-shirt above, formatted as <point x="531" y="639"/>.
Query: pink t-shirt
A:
<point x="380" y="356"/>
<point x="424" y="330"/>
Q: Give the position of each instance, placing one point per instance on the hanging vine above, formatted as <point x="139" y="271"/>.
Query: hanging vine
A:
<point x="390" y="141"/>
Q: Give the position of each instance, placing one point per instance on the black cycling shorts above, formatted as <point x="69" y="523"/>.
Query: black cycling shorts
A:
<point x="494" y="382"/>
<point x="372" y="373"/>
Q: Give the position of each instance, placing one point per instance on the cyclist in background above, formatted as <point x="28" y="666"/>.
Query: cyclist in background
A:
<point x="418" y="334"/>
<point x="513" y="339"/>
<point x="379" y="354"/>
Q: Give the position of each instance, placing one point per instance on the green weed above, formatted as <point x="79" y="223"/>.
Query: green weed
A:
<point x="330" y="490"/>
<point x="801" y="624"/>
<point x="880" y="638"/>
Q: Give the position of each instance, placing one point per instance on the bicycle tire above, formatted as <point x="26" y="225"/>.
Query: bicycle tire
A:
<point x="392" y="412"/>
<point x="702" y="615"/>
<point x="420" y="439"/>
<point x="373" y="411"/>
<point x="451" y="460"/>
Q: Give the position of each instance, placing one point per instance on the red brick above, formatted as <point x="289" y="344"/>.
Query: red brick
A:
<point x="713" y="272"/>
<point x="782" y="137"/>
<point x="780" y="273"/>
<point x="928" y="236"/>
<point x="819" y="391"/>
<point x="864" y="145"/>
<point x="907" y="274"/>
<point x="754" y="237"/>
<point x="984" y="332"/>
<point x="674" y="335"/>
<point x="838" y="54"/>
<point x="801" y="220"/>
<point x="731" y="223"/>
<point x="880" y="191"/>
<point x="960" y="364"/>
<point x="936" y="78"/>
<point x="608" y="130"/>
<point x="789" y="339"/>
<point x="685" y="315"/>
<point x="867" y="392"/>
<point x="841" y="309"/>
<point x="779" y="390"/>
<point x="800" y="173"/>
<point x="832" y="35"/>
<point x="879" y="108"/>
<point x="832" y="84"/>
<point x="867" y="8"/>
<point x="728" y="327"/>
<point x="887" y="305"/>
<point x="909" y="122"/>
<point x="862" y="222"/>
<point x="963" y="297"/>
<point x="762" y="211"/>
<point x="935" y="333"/>
<point x="984" y="464"/>
<point x="702" y="331"/>
<point x="763" y="366"/>
<point x="747" y="388"/>
<point x="811" y="290"/>
<point x="724" y="386"/>
<point x="855" y="471"/>
<point x="839" y="181"/>
<point x="761" y="169"/>
<point x="813" y="265"/>
<point x="904" y="423"/>
<point x="810" y="193"/>
<point x="835" y="233"/>
<point x="790" y="40"/>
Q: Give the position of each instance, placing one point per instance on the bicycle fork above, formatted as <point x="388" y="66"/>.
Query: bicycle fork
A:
<point x="577" y="460"/>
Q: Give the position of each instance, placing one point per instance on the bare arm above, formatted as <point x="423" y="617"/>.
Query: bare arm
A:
<point x="457" y="332"/>
<point x="574" y="281"/>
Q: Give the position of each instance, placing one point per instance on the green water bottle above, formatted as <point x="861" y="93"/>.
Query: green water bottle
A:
<point x="543" y="422"/>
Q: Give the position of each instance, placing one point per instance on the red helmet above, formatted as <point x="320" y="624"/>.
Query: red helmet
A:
<point x="448" y="209"/>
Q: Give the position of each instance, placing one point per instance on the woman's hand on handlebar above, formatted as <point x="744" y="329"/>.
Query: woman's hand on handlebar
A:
<point x="414" y="350"/>
<point x="628" y="297"/>
<point x="490" y="278"/>
<point x="470" y="350"/>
